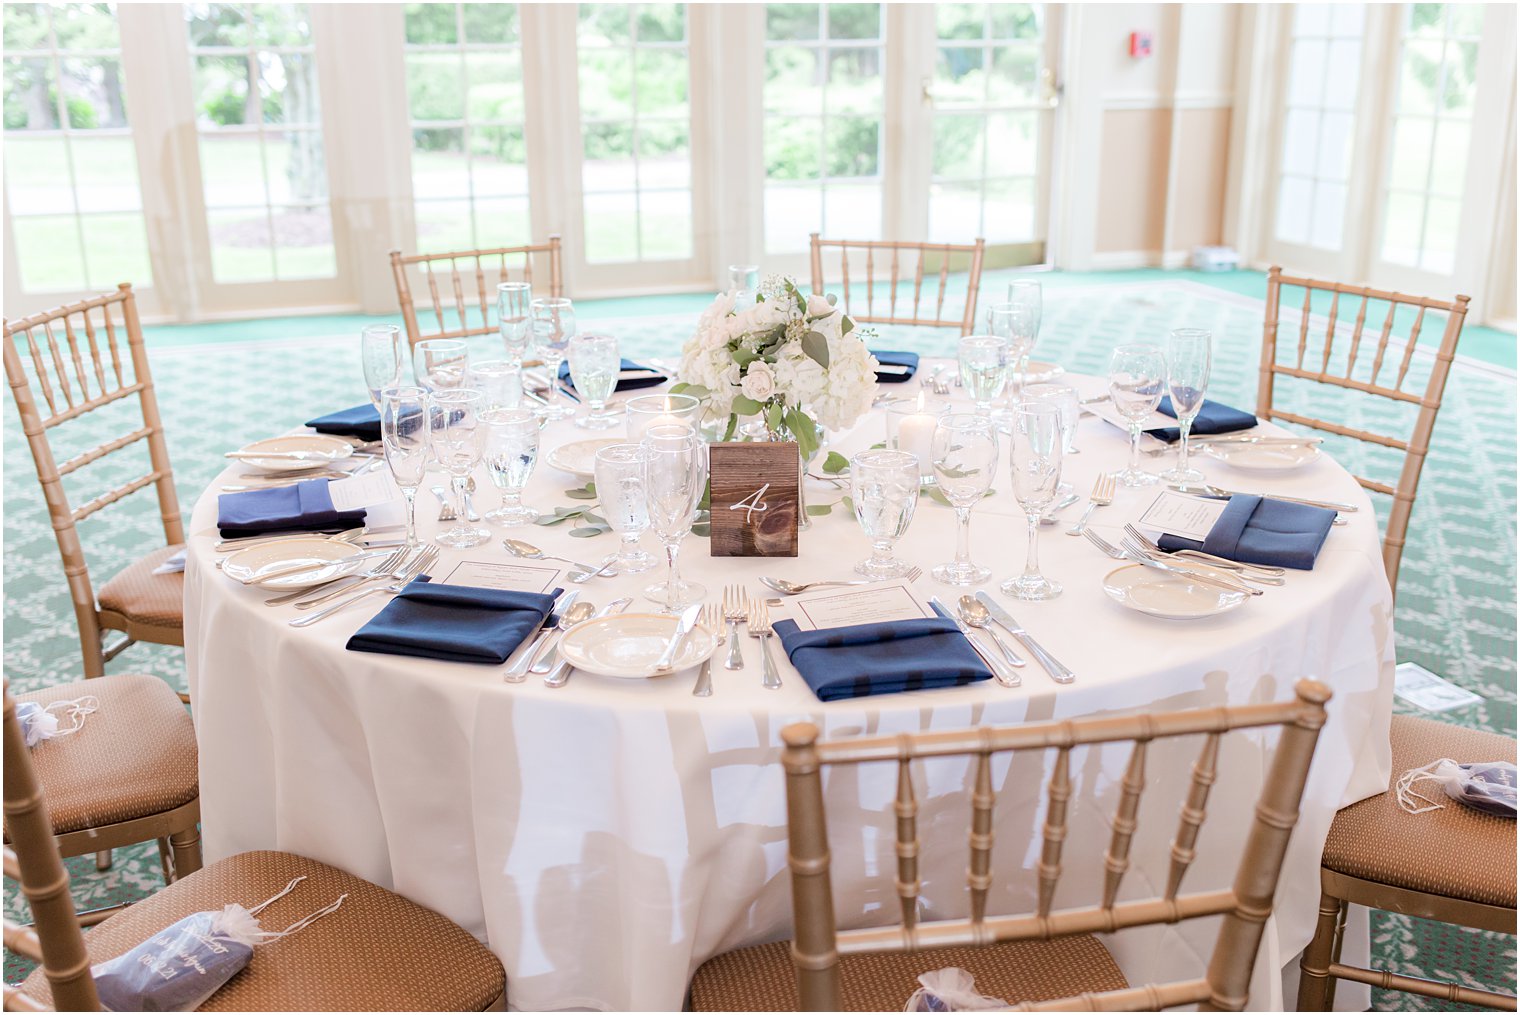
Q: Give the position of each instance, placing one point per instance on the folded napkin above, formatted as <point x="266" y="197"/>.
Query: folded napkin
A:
<point x="909" y="655"/>
<point x="1259" y="530"/>
<point x="362" y="421"/>
<point x="895" y="358"/>
<point x="304" y="507"/>
<point x="652" y="376"/>
<point x="460" y="623"/>
<point x="1214" y="417"/>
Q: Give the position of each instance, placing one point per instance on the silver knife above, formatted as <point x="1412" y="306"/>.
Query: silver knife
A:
<point x="518" y="671"/>
<point x="1058" y="671"/>
<point x="1003" y="677"/>
<point x="561" y="673"/>
<point x="688" y="620"/>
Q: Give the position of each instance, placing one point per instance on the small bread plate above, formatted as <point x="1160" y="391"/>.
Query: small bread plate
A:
<point x="1263" y="457"/>
<point x="579" y="457"/>
<point x="629" y="644"/>
<point x="329" y="559"/>
<point x="295" y="452"/>
<point x="1040" y="373"/>
<point x="1171" y="597"/>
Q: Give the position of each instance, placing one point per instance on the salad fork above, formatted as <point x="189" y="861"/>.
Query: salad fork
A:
<point x="760" y="627"/>
<point x="1102" y="496"/>
<point x="712" y="618"/>
<point x="423" y="561"/>
<point x="1258" y="572"/>
<point x="1177" y="569"/>
<point x="735" y="607"/>
<point x="380" y="570"/>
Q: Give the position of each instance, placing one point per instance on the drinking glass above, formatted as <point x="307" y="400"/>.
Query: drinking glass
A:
<point x="441" y="363"/>
<point x="404" y="436"/>
<point x="457" y="436"/>
<point x="1189" y="355"/>
<point x="1064" y="397"/>
<point x="513" y="317"/>
<point x="380" y="351"/>
<point x="1018" y="324"/>
<point x="884" y="487"/>
<point x="621" y="472"/>
<point x="594" y="368"/>
<point x="500" y="381"/>
<point x="1035" y="463"/>
<point x="744" y="282"/>
<point x="553" y="327"/>
<point x="675" y="479"/>
<point x="1136" y="377"/>
<point x="964" y="450"/>
<point x="511" y="452"/>
<point x="645" y="411"/>
<point x="984" y="369"/>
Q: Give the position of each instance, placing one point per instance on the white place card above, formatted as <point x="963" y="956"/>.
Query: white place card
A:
<point x="1423" y="689"/>
<point x="1108" y="414"/>
<point x="1182" y="515"/>
<point x="873" y="604"/>
<point x="364" y="491"/>
<point x="491" y="574"/>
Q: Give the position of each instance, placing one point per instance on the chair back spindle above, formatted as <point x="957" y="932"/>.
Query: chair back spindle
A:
<point x="471" y="277"/>
<point x="920" y="315"/>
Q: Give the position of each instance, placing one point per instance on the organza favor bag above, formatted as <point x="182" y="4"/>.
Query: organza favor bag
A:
<point x="1488" y="786"/>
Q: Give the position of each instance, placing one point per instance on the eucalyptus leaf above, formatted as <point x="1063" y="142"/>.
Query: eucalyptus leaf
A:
<point x="935" y="494"/>
<point x="832" y="299"/>
<point x="835" y="463"/>
<point x="703" y="529"/>
<point x="848" y="502"/>
<point x="580" y="493"/>
<point x="746" y="406"/>
<point x="819" y="510"/>
<point x="817" y="348"/>
<point x="586" y="532"/>
<point x="773" y="415"/>
<point x="594" y="519"/>
<point x="845" y="326"/>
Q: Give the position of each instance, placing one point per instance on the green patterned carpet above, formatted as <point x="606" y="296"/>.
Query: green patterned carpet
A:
<point x="1456" y="607"/>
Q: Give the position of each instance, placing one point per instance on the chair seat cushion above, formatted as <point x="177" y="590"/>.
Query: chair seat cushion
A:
<point x="376" y="952"/>
<point x="154" y="600"/>
<point x="134" y="757"/>
<point x="762" y="977"/>
<point x="1455" y="852"/>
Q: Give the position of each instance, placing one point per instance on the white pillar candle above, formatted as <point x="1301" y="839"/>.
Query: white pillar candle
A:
<point x="915" y="435"/>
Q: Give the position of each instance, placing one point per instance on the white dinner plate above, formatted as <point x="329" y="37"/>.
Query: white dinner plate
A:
<point x="319" y="450"/>
<point x="1172" y="597"/>
<point x="247" y="564"/>
<point x="1039" y="372"/>
<point x="579" y="457"/>
<point x="1264" y="457"/>
<point x="629" y="644"/>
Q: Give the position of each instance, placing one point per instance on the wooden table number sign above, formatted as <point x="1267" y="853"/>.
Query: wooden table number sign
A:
<point x="754" y="498"/>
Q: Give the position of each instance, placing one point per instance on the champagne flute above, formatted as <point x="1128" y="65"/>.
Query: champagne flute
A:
<point x="511" y="452"/>
<point x="441" y="363"/>
<point x="1035" y="461"/>
<point x="457" y="436"/>
<point x="404" y="436"/>
<point x="884" y="487"/>
<point x="676" y="476"/>
<point x="1189" y="356"/>
<point x="380" y="352"/>
<point x="1136" y="377"/>
<point x="984" y="369"/>
<point x="594" y="368"/>
<point x="964" y="450"/>
<point x="553" y="327"/>
<point x="621" y="472"/>
<point x="1064" y="397"/>
<point x="514" y="318"/>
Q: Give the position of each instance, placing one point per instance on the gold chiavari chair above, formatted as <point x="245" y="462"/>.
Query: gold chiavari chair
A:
<point x="1304" y="368"/>
<point x="472" y="277"/>
<point x="892" y="274"/>
<point x="376" y="952"/>
<point x="1455" y="865"/>
<point x="1047" y="958"/>
<point x="143" y="605"/>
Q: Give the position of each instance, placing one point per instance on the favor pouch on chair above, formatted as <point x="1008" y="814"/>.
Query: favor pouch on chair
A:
<point x="41" y="722"/>
<point x="305" y="507"/>
<point x="950" y="989"/>
<point x="1259" y="530"/>
<point x="1213" y="418"/>
<point x="1488" y="786"/>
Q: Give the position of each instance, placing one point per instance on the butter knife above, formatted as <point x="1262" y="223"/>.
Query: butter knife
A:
<point x="1058" y="671"/>
<point x="518" y="671"/>
<point x="688" y="620"/>
<point x="1003" y="677"/>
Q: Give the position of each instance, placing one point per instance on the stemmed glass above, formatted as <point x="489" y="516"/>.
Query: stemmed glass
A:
<point x="964" y="450"/>
<point x="621" y="471"/>
<point x="1136" y="377"/>
<point x="457" y="436"/>
<point x="500" y="381"/>
<point x="1035" y="463"/>
<point x="553" y="327"/>
<point x="514" y="318"/>
<point x="404" y="436"/>
<point x="594" y="368"/>
<point x="1017" y="324"/>
<point x="441" y="363"/>
<point x="1189" y="354"/>
<point x="984" y="369"/>
<point x="743" y="282"/>
<point x="675" y="480"/>
<point x="511" y="452"/>
<point x="884" y="487"/>
<point x="380" y="351"/>
<point x="645" y="411"/>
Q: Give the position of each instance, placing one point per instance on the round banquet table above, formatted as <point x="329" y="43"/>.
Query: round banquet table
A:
<point x="606" y="837"/>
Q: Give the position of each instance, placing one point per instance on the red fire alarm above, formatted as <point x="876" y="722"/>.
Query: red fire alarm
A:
<point x="1139" y="45"/>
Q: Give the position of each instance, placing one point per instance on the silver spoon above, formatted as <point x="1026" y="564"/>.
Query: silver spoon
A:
<point x="975" y="614"/>
<point x="527" y="551"/>
<point x="581" y="611"/>
<point x="561" y="673"/>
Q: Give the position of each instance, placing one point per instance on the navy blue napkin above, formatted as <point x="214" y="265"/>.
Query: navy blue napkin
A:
<point x="305" y="507"/>
<point x="1214" y="417"/>
<point x="362" y="421"/>
<point x="865" y="659"/>
<point x="459" y="623"/>
<point x="1259" y="530"/>
<point x="895" y="358"/>
<point x="624" y="383"/>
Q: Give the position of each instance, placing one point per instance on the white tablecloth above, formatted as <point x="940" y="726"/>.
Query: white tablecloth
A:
<point x="607" y="837"/>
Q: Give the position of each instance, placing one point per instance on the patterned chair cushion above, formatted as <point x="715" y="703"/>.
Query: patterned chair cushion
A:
<point x="157" y="600"/>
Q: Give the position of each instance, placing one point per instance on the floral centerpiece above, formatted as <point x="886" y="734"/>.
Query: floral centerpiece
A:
<point x="795" y="362"/>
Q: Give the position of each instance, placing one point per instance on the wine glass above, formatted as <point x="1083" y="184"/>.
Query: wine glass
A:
<point x="514" y="317"/>
<point x="553" y="327"/>
<point x="500" y="381"/>
<point x="380" y="351"/>
<point x="441" y="363"/>
<point x="645" y="411"/>
<point x="511" y="452"/>
<point x="457" y="436"/>
<point x="676" y="477"/>
<point x="594" y="368"/>
<point x="1035" y="464"/>
<point x="404" y="436"/>
<point x="743" y="282"/>
<point x="1136" y="377"/>
<point x="884" y="487"/>
<point x="964" y="450"/>
<point x="621" y="472"/>
<point x="1189" y="355"/>
<point x="984" y="369"/>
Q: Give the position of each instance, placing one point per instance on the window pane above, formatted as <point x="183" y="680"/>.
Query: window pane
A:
<point x="29" y="101"/>
<point x="958" y="146"/>
<point x="854" y="21"/>
<point x="443" y="225"/>
<point x="434" y="86"/>
<point x="606" y="77"/>
<point x="1294" y="200"/>
<point x="1327" y="223"/>
<point x="611" y="223"/>
<point x="1419" y="74"/>
<point x="25" y="26"/>
<point x="665" y="225"/>
<point x="1343" y="74"/>
<point x="222" y="92"/>
<point x="1410" y="166"/>
<point x="439" y="168"/>
<point x="662" y="82"/>
<point x="280" y="24"/>
<point x="304" y="242"/>
<point x="853" y="210"/>
<point x="1015" y="76"/>
<point x="37" y="175"/>
<point x="216" y="25"/>
<point x="955" y="211"/>
<point x="1401" y="228"/>
<point x="1449" y="173"/>
<point x="118" y="250"/>
<point x="288" y="88"/>
<point x="232" y="170"/>
<point x="240" y="245"/>
<point x="105" y="169"/>
<point x="661" y="22"/>
<point x="604" y="24"/>
<point x="1334" y="161"/>
<point x="608" y="163"/>
<point x="1466" y="19"/>
<point x="1346" y="20"/>
<point x="792" y="148"/>
<point x="959" y="21"/>
<point x="1300" y="138"/>
<point x="489" y="22"/>
<point x="958" y="77"/>
<point x="431" y="24"/>
<point x="1441" y="223"/>
<point x="93" y="92"/>
<point x="498" y="155"/>
<point x="854" y="81"/>
<point x="664" y="151"/>
<point x="502" y="222"/>
<point x="49" y="255"/>
<point x="853" y="145"/>
<point x="1306" y="80"/>
<point x="1012" y="144"/>
<point x="791" y="212"/>
<point x="296" y="166"/>
<point x="1311" y="19"/>
<point x="791" y="80"/>
<point x="1015" y="21"/>
<point x="1009" y="213"/>
<point x="1461" y="78"/>
<point x="791" y="21"/>
<point x="496" y="86"/>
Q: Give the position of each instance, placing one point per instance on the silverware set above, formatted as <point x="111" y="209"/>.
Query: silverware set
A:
<point x="1133" y="553"/>
<point x="396" y="581"/>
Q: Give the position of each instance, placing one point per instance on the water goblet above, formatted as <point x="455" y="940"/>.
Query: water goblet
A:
<point x="457" y="435"/>
<point x="380" y="353"/>
<point x="594" y="368"/>
<point x="514" y="318"/>
<point x="964" y="451"/>
<point x="500" y="381"/>
<point x="404" y="437"/>
<point x="1035" y="466"/>
<point x="553" y="327"/>
<point x="511" y="452"/>
<point x="884" y="487"/>
<point x="676" y="476"/>
<point x="645" y="411"/>
<point x="984" y="369"/>
<point x="441" y="363"/>
<point x="1136" y="377"/>
<point x="1189" y="356"/>
<point x="621" y="472"/>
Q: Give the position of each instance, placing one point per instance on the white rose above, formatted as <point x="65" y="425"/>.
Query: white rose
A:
<point x="773" y="311"/>
<point x="759" y="381"/>
<point x="819" y="306"/>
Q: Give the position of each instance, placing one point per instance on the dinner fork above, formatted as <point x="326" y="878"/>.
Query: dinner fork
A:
<point x="1134" y="558"/>
<point x="1102" y="495"/>
<point x="382" y="574"/>
<point x="734" y="609"/>
<point x="712" y="617"/>
<point x="759" y="624"/>
<point x="1257" y="572"/>
<point x="380" y="570"/>
<point x="423" y="561"/>
<point x="787" y="588"/>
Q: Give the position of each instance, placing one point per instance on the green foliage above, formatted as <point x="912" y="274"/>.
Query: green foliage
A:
<point x="224" y="108"/>
<point x="431" y="24"/>
<point x="817" y="348"/>
<point x="746" y="406"/>
<point x="835" y="463"/>
<point x="587" y="492"/>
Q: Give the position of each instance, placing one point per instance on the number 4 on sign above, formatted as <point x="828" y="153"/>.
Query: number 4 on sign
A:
<point x="749" y="505"/>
